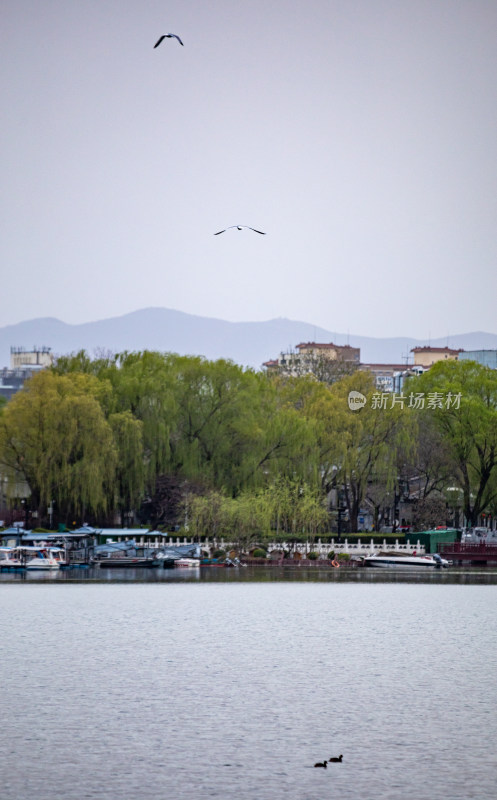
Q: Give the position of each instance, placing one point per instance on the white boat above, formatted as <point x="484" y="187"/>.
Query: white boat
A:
<point x="10" y="559"/>
<point x="405" y="561"/>
<point x="187" y="562"/>
<point x="43" y="557"/>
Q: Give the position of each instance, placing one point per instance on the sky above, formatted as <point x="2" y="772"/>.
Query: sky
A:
<point x="360" y="135"/>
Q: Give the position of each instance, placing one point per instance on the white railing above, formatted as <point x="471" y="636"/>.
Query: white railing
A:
<point x="157" y="540"/>
<point x="360" y="548"/>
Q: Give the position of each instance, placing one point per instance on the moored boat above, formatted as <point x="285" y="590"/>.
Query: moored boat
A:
<point x="44" y="558"/>
<point x="170" y="555"/>
<point x="187" y="562"/>
<point x="11" y="559"/>
<point x="124" y="561"/>
<point x="124" y="554"/>
<point x="405" y="561"/>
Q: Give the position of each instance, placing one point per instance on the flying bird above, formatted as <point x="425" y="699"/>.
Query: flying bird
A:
<point x="168" y="36"/>
<point x="239" y="227"/>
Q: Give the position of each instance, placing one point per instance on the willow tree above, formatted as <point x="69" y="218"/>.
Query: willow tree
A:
<point x="288" y="506"/>
<point x="54" y="436"/>
<point x="128" y="439"/>
<point x="461" y="397"/>
<point x="232" y="428"/>
<point x="206" y="514"/>
<point x="294" y="507"/>
<point x="144" y="384"/>
<point x="241" y="520"/>
<point x="247" y="519"/>
<point x="324" y="416"/>
<point x="210" y="398"/>
<point x="367" y="440"/>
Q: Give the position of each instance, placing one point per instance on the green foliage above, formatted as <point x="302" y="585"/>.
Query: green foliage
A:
<point x="313" y="555"/>
<point x="287" y="505"/>
<point x="370" y="441"/>
<point x="258" y="553"/>
<point x="128" y="439"/>
<point x="54" y="436"/>
<point x="229" y="451"/>
<point x="469" y="428"/>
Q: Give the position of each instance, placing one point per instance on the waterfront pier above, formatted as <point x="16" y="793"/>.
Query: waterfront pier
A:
<point x="470" y="553"/>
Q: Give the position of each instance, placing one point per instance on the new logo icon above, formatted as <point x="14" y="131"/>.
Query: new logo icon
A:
<point x="356" y="401"/>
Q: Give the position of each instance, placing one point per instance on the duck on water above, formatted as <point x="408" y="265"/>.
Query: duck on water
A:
<point x="331" y="760"/>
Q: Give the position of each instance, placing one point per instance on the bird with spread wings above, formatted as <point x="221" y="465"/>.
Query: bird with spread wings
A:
<point x="167" y="36"/>
<point x="239" y="227"/>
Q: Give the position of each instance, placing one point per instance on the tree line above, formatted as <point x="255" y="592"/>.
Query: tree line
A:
<point x="172" y="440"/>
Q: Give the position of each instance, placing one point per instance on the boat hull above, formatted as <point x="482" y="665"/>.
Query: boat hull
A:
<point x="126" y="562"/>
<point x="399" y="562"/>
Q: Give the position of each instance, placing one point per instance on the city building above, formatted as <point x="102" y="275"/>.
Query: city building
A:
<point x="427" y="356"/>
<point x="487" y="358"/>
<point x="23" y="364"/>
<point x="307" y="355"/>
<point x="391" y="377"/>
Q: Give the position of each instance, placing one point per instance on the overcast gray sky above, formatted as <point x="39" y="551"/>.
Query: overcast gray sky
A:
<point x="360" y="134"/>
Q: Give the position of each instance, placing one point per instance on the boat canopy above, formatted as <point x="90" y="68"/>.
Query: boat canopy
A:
<point x="112" y="547"/>
<point x="54" y="537"/>
<point x="86" y="529"/>
<point x="182" y="550"/>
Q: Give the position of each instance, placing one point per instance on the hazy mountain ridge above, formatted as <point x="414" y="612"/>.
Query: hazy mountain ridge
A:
<point x="246" y="343"/>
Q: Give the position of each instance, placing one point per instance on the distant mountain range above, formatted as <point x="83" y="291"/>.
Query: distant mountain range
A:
<point x="246" y="343"/>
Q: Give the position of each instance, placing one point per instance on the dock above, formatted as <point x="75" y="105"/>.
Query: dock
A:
<point x="464" y="553"/>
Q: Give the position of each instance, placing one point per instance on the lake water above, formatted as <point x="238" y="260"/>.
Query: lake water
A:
<point x="229" y="686"/>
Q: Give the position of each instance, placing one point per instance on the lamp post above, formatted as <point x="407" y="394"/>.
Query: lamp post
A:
<point x="3" y="493"/>
<point x="341" y="510"/>
<point x="26" y="512"/>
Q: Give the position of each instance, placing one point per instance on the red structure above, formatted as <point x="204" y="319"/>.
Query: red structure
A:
<point x="478" y="553"/>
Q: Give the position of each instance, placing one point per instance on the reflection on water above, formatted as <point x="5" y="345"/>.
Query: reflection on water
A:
<point x="453" y="575"/>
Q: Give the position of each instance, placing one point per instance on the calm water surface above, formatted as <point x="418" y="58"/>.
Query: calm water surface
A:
<point x="219" y="687"/>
